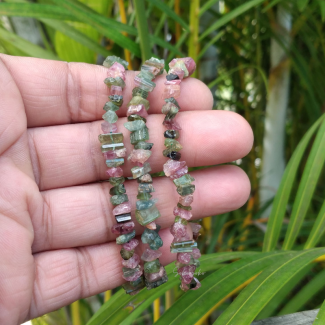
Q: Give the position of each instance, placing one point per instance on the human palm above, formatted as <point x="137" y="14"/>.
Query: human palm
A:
<point x="56" y="245"/>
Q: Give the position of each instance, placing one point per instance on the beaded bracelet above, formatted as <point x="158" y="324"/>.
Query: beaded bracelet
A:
<point x="114" y="152"/>
<point x="183" y="244"/>
<point x="146" y="211"/>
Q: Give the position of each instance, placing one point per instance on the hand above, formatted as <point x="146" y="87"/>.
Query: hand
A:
<point x="56" y="245"/>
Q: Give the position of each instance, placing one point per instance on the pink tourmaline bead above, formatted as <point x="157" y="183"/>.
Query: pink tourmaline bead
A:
<point x="151" y="225"/>
<point x="171" y="166"/>
<point x="123" y="228"/>
<point x="173" y="82"/>
<point x="186" y="200"/>
<point x="179" y="173"/>
<point x="184" y="286"/>
<point x="114" y="172"/>
<point x="116" y="90"/>
<point x="184" y="258"/>
<point x="116" y="70"/>
<point x="133" y="293"/>
<point x="151" y="277"/>
<point x="195" y="227"/>
<point x="198" y="284"/>
<point x="178" y="230"/>
<point x="134" y="277"/>
<point x="150" y="255"/>
<point x="187" y="273"/>
<point x="137" y="109"/>
<point x="187" y="215"/>
<point x="178" y="71"/>
<point x="132" y="244"/>
<point x="139" y="155"/>
<point x="132" y="262"/>
<point x="122" y="208"/>
<point x="109" y="127"/>
<point x="115" y="154"/>
<point x="189" y="63"/>
<point x="171" y="91"/>
<point x="196" y="253"/>
<point x="171" y="125"/>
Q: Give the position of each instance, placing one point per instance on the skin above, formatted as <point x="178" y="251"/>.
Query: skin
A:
<point x="55" y="215"/>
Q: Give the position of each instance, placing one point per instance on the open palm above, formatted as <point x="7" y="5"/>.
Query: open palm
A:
<point x="56" y="245"/>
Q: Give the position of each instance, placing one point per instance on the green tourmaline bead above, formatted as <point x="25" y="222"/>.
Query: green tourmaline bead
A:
<point x="116" y="180"/>
<point x="130" y="272"/>
<point x="151" y="267"/>
<point x="159" y="64"/>
<point x="109" y="106"/>
<point x="110" y="60"/>
<point x="110" y="138"/>
<point x="117" y="190"/>
<point x="167" y="152"/>
<point x="118" y="81"/>
<point x="156" y="284"/>
<point x="135" y="125"/>
<point x="129" y="287"/>
<point x="126" y="255"/>
<point x="138" y="171"/>
<point x="118" y="199"/>
<point x="142" y="205"/>
<point x="185" y="189"/>
<point x="146" y="216"/>
<point x="172" y="113"/>
<point x="147" y="75"/>
<point x="138" y="100"/>
<point x="171" y="134"/>
<point x="145" y="188"/>
<point x="173" y="144"/>
<point x="172" y="100"/>
<point x="120" y="240"/>
<point x="186" y="179"/>
<point x="140" y="135"/>
<point x="114" y="162"/>
<point x="183" y="247"/>
<point x="112" y="147"/>
<point x="110" y="117"/>
<point x="137" y="282"/>
<point x="181" y="65"/>
<point x="144" y="196"/>
<point x="184" y="207"/>
<point x="180" y="220"/>
<point x="145" y="179"/>
<point x="116" y="99"/>
<point x="137" y="91"/>
<point x="135" y="117"/>
<point x="152" y="238"/>
<point x="143" y="145"/>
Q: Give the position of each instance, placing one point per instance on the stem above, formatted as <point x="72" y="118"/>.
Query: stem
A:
<point x="177" y="25"/>
<point x="75" y="313"/>
<point x="194" y="31"/>
<point x="156" y="310"/>
<point x="108" y="295"/>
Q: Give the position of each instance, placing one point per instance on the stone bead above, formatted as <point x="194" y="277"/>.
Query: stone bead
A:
<point x="109" y="106"/>
<point x="171" y="125"/>
<point x="179" y="173"/>
<point x="183" y="246"/>
<point x="151" y="267"/>
<point x="139" y="171"/>
<point x="171" y="166"/>
<point x="184" y="258"/>
<point x="140" y="135"/>
<point x="131" y="245"/>
<point x="116" y="99"/>
<point x="181" y="220"/>
<point x="172" y="100"/>
<point x="189" y="63"/>
<point x="185" y="214"/>
<point x="108" y="127"/>
<point x="137" y="110"/>
<point x="117" y="190"/>
<point x="122" y="208"/>
<point x="195" y="284"/>
<point x="118" y="199"/>
<point x="171" y="77"/>
<point x="151" y="225"/>
<point x="186" y="200"/>
<point x="196" y="253"/>
<point x="115" y="172"/>
<point x="176" y="64"/>
<point x="156" y="284"/>
<point x="114" y="162"/>
<point x="112" y="154"/>
<point x="132" y="262"/>
<point x="123" y="228"/>
<point x="184" y="207"/>
<point x="195" y="227"/>
<point x="146" y="178"/>
<point x="142" y="80"/>
<point x="187" y="273"/>
<point x="185" y="189"/>
<point x="171" y="91"/>
<point x="173" y="82"/>
<point x="139" y="155"/>
<point x="114" y="181"/>
<point x="144" y="196"/>
<point x="135" y="125"/>
<point x="145" y="188"/>
<point x="110" y="138"/>
<point x="110" y="117"/>
<point x="120" y="240"/>
<point x="131" y="274"/>
<point x="136" y="117"/>
<point x="126" y="254"/>
<point x="171" y="134"/>
<point x="170" y="110"/>
<point x="110" y="60"/>
<point x="142" y="205"/>
<point x="133" y="287"/>
<point x="151" y="70"/>
<point x="152" y="238"/>
<point x="172" y="144"/>
<point x="111" y="147"/>
<point x="150" y="255"/>
<point x="172" y="154"/>
<point x="138" y="100"/>
<point x="118" y="81"/>
<point x="151" y="277"/>
<point x="147" y="215"/>
<point x="184" y="180"/>
<point x="116" y="91"/>
<point x="157" y="63"/>
<point x="178" y="71"/>
<point x="143" y="145"/>
<point x="178" y="230"/>
<point x="137" y="91"/>
<point x="124" y="217"/>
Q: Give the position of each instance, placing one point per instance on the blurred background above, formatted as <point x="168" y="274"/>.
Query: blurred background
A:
<point x="261" y="59"/>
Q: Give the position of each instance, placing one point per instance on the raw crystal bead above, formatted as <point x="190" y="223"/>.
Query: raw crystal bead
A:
<point x="120" y="240"/>
<point x="145" y="179"/>
<point x="187" y="273"/>
<point x="140" y="135"/>
<point x="184" y="180"/>
<point x="126" y="254"/>
<point x="131" y="245"/>
<point x="139" y="155"/>
<point x="117" y="190"/>
<point x="173" y="82"/>
<point x="181" y="220"/>
<point x="110" y="117"/>
<point x="151" y="277"/>
<point x="137" y="91"/>
<point x="183" y="246"/>
<point x="171" y="125"/>
<point x="135" y="125"/>
<point x="111" y="147"/>
<point x="138" y="100"/>
<point x="170" y="110"/>
<point x="114" y="154"/>
<point x="176" y="64"/>
<point x="142" y="80"/>
<point x="179" y="173"/>
<point x="108" y="127"/>
<point x="186" y="200"/>
<point x="151" y="267"/>
<point x="196" y="253"/>
<point x="116" y="91"/>
<point x="139" y="171"/>
<point x="143" y="145"/>
<point x="178" y="71"/>
<point x="116" y="99"/>
<point x="133" y="287"/>
<point x="184" y="258"/>
<point x="195" y="284"/>
<point x="171" y="77"/>
<point x="172" y="154"/>
<point x="123" y="228"/>
<point x="178" y="230"/>
<point x="132" y="262"/>
<point x="110" y="60"/>
<point x="124" y="217"/>
<point x="138" y="110"/>
<point x="145" y="188"/>
<point x="172" y="100"/>
<point x="116" y="70"/>
<point x="160" y="64"/>
<point x="118" y="199"/>
<point x="151" y="225"/>
<point x="189" y="63"/>
<point x="109" y="106"/>
<point x="173" y="145"/>
<point x="188" y="208"/>
<point x="187" y="215"/>
<point x="185" y="189"/>
<point x="171" y="91"/>
<point x="142" y="205"/>
<point x="116" y="180"/>
<point x="147" y="215"/>
<point x="136" y="117"/>
<point x="150" y="69"/>
<point x="144" y="196"/>
<point x="152" y="238"/>
<point x="131" y="274"/>
<point x="114" y="162"/>
<point x="150" y="255"/>
<point x="171" y="166"/>
<point x="122" y="208"/>
<point x="156" y="284"/>
<point x="195" y="227"/>
<point x="115" y="172"/>
<point x="184" y="287"/>
<point x="171" y="134"/>
<point x="118" y="81"/>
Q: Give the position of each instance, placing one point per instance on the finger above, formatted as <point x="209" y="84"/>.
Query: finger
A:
<point x="66" y="275"/>
<point x="70" y="155"/>
<point x="57" y="92"/>
<point x="82" y="215"/>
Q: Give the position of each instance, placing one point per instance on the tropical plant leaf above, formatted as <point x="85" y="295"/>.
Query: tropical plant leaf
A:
<point x="302" y="4"/>
<point x="320" y="319"/>
<point x="206" y="6"/>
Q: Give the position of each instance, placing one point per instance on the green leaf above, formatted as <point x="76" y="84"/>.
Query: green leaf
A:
<point x="258" y="293"/>
<point x="207" y="6"/>
<point x="320" y="319"/>
<point x="211" y="42"/>
<point x="302" y="4"/>
<point x="230" y="15"/>
<point x="282" y="196"/>
<point x="322" y="9"/>
<point x="306" y="187"/>
<point x="25" y="46"/>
